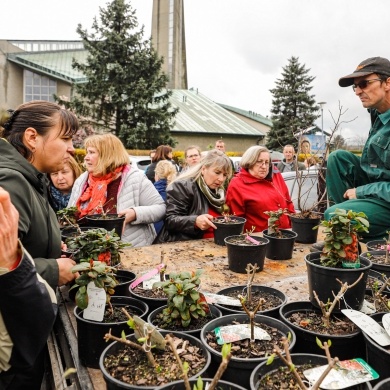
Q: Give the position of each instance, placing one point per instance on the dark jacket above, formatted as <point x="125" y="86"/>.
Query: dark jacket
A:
<point x="28" y="308"/>
<point x="152" y="167"/>
<point x="185" y="202"/>
<point x="161" y="187"/>
<point x="38" y="227"/>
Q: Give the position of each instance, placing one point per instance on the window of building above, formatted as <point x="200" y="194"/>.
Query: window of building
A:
<point x="37" y="87"/>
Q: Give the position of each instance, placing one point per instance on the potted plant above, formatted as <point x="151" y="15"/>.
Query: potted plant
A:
<point x="246" y="249"/>
<point x="281" y="241"/>
<point x="149" y="358"/>
<point x="96" y="311"/>
<point x="186" y="309"/>
<point x="67" y="216"/>
<point x="227" y="225"/>
<point x="270" y="298"/>
<point x="379" y="257"/>
<point x="339" y="260"/>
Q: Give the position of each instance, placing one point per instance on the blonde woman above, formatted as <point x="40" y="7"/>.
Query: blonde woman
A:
<point x="164" y="173"/>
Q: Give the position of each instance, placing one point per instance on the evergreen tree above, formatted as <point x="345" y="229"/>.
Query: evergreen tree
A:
<point x="125" y="88"/>
<point x="293" y="108"/>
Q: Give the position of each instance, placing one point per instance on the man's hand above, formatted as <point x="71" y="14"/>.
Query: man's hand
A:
<point x="350" y="194"/>
<point x="203" y="222"/>
<point x="64" y="269"/>
<point x="9" y="219"/>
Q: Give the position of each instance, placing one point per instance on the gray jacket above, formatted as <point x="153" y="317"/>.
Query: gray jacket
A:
<point x="136" y="191"/>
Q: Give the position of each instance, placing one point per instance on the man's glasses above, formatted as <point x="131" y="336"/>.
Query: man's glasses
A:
<point x="363" y="84"/>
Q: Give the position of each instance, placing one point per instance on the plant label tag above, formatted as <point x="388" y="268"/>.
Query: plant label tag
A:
<point x="368" y="325"/>
<point x="252" y="240"/>
<point x="346" y="373"/>
<point x="141" y="329"/>
<point x="221" y="299"/>
<point x="96" y="303"/>
<point x="386" y="322"/>
<point x="230" y="333"/>
<point x="148" y="276"/>
<point x="368" y="307"/>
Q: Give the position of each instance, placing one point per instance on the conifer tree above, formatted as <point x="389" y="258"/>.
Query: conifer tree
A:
<point x="293" y="108"/>
<point x="124" y="90"/>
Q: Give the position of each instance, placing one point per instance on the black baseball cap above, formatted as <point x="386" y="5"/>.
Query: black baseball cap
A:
<point x="371" y="65"/>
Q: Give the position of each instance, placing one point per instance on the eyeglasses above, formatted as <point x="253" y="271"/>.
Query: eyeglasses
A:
<point x="261" y="162"/>
<point x="193" y="155"/>
<point x="364" y="84"/>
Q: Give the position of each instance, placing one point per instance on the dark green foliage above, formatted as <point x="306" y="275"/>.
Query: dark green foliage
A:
<point x="293" y="108"/>
<point x="125" y="88"/>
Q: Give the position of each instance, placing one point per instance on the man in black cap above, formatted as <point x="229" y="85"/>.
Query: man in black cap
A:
<point x="363" y="183"/>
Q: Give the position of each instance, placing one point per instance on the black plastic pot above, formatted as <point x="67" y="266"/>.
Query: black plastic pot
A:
<point x="383" y="385"/>
<point x="115" y="384"/>
<point x="222" y="385"/>
<point x="323" y="280"/>
<point x="239" y="370"/>
<point x="111" y="222"/>
<point x="274" y="312"/>
<point x="380" y="268"/>
<point x="304" y="229"/>
<point x="90" y="334"/>
<point x="124" y="278"/>
<point x="343" y="346"/>
<point x="215" y="313"/>
<point x="233" y="228"/>
<point x="374" y="245"/>
<point x="71" y="231"/>
<point x="280" y="248"/>
<point x="378" y="357"/>
<point x="153" y="303"/>
<point x="239" y="256"/>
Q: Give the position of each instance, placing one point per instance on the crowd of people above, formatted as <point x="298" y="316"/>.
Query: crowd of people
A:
<point x="39" y="176"/>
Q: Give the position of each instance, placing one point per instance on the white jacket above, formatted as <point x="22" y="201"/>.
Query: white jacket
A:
<point x="136" y="191"/>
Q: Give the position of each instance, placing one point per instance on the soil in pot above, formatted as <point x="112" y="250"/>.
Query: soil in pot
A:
<point x="378" y="260"/>
<point x="274" y="299"/>
<point x="90" y="334"/>
<point x="304" y="228"/>
<point x="376" y="245"/>
<point x="242" y="251"/>
<point x="127" y="368"/>
<point x="280" y="248"/>
<point x="308" y="325"/>
<point x="222" y="385"/>
<point x="154" y="298"/>
<point x="227" y="227"/>
<point x="107" y="221"/>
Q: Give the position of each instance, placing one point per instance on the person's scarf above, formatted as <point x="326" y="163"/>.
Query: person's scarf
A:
<point x="95" y="196"/>
<point x="216" y="199"/>
<point x="59" y="199"/>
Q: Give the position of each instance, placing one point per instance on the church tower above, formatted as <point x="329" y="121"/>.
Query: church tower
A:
<point x="168" y="38"/>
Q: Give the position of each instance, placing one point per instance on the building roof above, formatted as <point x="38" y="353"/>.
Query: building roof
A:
<point x="248" y="114"/>
<point x="199" y="114"/>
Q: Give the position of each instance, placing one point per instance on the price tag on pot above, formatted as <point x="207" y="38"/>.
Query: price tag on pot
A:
<point x="230" y="333"/>
<point x="368" y="307"/>
<point x="141" y="329"/>
<point x="346" y="373"/>
<point x="96" y="303"/>
<point x="221" y="299"/>
<point x="386" y="322"/>
<point x="368" y="325"/>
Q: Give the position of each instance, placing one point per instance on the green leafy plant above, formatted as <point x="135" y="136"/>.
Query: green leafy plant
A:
<point x="341" y="237"/>
<point x="67" y="216"/>
<point x="274" y="221"/>
<point x="96" y="244"/>
<point x="102" y="275"/>
<point x="184" y="301"/>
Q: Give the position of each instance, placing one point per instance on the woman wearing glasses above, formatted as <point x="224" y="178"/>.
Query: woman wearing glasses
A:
<point x="256" y="188"/>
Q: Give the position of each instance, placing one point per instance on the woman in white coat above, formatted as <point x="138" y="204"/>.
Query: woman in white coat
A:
<point x="111" y="185"/>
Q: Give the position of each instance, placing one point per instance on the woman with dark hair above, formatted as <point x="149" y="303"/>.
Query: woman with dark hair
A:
<point x="163" y="152"/>
<point x="111" y="184"/>
<point x="36" y="140"/>
<point x="195" y="198"/>
<point x="256" y="188"/>
<point x="61" y="183"/>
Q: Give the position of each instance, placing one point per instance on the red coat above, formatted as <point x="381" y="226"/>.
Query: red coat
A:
<point x="249" y="197"/>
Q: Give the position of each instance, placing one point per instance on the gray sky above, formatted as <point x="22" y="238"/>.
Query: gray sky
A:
<point x="236" y="48"/>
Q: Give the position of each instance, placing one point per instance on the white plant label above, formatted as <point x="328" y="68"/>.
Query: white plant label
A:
<point x="368" y="307"/>
<point x="148" y="284"/>
<point x="230" y="333"/>
<point x="221" y="299"/>
<point x="368" y="325"/>
<point x="386" y="322"/>
<point x="96" y="303"/>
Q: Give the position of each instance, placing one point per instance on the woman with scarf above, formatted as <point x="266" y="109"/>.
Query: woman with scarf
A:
<point x="110" y="185"/>
<point x="61" y="183"/>
<point x="195" y="198"/>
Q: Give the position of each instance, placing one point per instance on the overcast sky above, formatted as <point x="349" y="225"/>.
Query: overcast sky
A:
<point x="236" y="48"/>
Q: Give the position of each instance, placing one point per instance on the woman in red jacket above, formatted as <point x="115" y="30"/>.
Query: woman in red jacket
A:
<point x="256" y="188"/>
